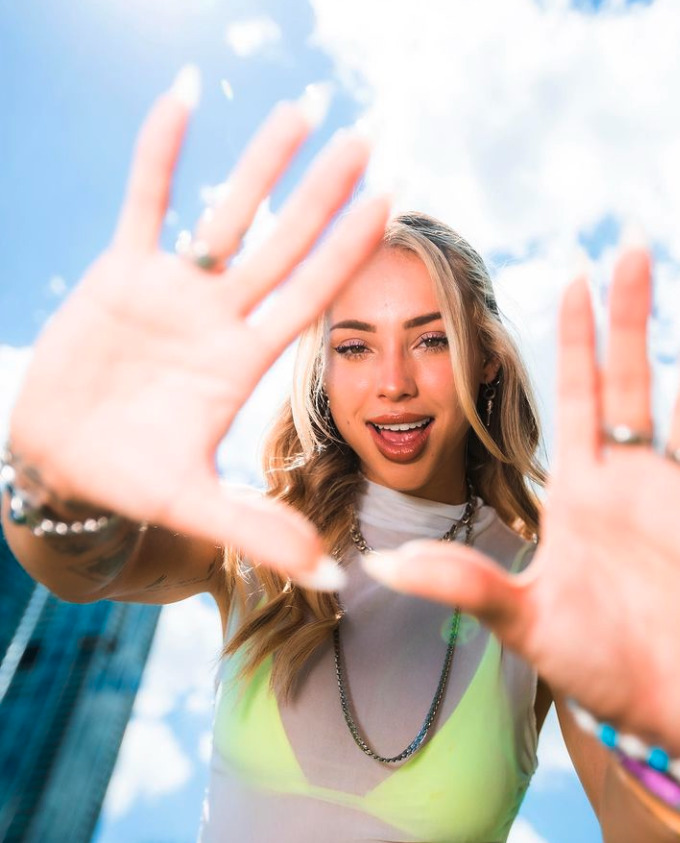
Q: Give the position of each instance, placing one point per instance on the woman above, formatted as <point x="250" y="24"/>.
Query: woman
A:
<point x="147" y="336"/>
<point x="379" y="426"/>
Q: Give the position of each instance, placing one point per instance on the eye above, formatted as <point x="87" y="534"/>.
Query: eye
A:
<point x="434" y="341"/>
<point x="353" y="348"/>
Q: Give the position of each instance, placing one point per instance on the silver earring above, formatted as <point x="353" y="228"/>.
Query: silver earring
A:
<point x="489" y="395"/>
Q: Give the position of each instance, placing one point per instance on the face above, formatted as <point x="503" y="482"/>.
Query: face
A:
<point x="390" y="382"/>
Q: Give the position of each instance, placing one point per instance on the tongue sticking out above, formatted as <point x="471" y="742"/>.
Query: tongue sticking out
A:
<point x="401" y="445"/>
<point x="403" y="437"/>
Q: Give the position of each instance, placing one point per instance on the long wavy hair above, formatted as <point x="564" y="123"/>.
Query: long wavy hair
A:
<point x="308" y="465"/>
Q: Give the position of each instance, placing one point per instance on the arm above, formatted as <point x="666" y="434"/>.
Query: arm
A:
<point x="626" y="812"/>
<point x="138" y="376"/>
<point x="150" y="566"/>
<point x="123" y="562"/>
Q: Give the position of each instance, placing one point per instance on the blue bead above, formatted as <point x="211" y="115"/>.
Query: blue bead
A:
<point x="608" y="735"/>
<point x="658" y="759"/>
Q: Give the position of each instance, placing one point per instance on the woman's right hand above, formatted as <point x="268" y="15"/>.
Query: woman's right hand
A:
<point x="136" y="379"/>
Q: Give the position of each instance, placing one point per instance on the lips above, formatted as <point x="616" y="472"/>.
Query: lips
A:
<point x="401" y="438"/>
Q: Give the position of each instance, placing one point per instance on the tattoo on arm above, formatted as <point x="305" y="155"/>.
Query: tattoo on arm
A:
<point x="163" y="583"/>
<point x="109" y="564"/>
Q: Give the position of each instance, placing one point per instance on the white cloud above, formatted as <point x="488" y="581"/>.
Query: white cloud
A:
<point x="254" y="35"/>
<point x="260" y="229"/>
<point x="524" y="124"/>
<point x="179" y="677"/>
<point x="554" y="764"/>
<point x="13" y="363"/>
<point x="150" y="764"/>
<point x="183" y="659"/>
<point x="57" y="286"/>
<point x="517" y="121"/>
<point x="523" y="832"/>
<point x="205" y="747"/>
<point x="239" y="453"/>
<point x="238" y="456"/>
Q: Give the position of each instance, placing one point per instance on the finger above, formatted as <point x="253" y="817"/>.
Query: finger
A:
<point x="318" y="281"/>
<point x="264" y="160"/>
<point x="627" y="377"/>
<point x="673" y="444"/>
<point x="577" y="378"/>
<point x="265" y="530"/>
<point x="158" y="146"/>
<point x="325" y="189"/>
<point x="458" y="576"/>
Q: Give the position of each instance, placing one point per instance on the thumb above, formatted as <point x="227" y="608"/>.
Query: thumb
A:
<point x="456" y="575"/>
<point x="265" y="530"/>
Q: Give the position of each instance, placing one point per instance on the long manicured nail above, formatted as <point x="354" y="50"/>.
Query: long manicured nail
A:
<point x="327" y="576"/>
<point x="371" y="190"/>
<point x="581" y="264"/>
<point x="384" y="567"/>
<point x="187" y="86"/>
<point x="633" y="236"/>
<point x="315" y="102"/>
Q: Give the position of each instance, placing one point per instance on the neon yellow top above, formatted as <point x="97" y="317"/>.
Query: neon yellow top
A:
<point x="292" y="772"/>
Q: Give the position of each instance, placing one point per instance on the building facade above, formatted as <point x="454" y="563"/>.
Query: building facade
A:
<point x="68" y="678"/>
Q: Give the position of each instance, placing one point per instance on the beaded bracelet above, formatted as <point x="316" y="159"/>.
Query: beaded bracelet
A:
<point x="38" y="519"/>
<point x="650" y="765"/>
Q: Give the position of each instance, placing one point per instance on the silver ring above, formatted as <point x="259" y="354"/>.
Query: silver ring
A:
<point x="196" y="251"/>
<point x="621" y="434"/>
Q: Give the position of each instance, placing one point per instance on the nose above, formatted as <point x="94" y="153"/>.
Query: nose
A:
<point x="396" y="376"/>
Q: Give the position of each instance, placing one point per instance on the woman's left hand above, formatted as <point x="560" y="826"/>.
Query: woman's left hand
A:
<point x="597" y="610"/>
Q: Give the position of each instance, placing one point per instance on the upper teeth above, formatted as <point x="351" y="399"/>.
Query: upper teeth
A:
<point x="411" y="426"/>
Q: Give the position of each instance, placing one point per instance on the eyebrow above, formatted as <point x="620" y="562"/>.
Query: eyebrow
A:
<point x="416" y="322"/>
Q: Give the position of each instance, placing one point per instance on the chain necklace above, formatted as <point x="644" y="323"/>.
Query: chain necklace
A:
<point x="419" y="740"/>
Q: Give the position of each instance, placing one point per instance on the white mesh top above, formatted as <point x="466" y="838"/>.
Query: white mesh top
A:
<point x="291" y="773"/>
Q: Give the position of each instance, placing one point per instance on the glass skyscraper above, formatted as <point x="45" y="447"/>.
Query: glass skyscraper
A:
<point x="68" y="678"/>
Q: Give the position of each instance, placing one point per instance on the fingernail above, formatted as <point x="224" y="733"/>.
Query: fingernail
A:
<point x="633" y="236"/>
<point x="383" y="567"/>
<point x="213" y="195"/>
<point x="365" y="127"/>
<point x="581" y="266"/>
<point x="327" y="576"/>
<point x="341" y="136"/>
<point x="315" y="102"/>
<point x="187" y="86"/>
<point x="371" y="190"/>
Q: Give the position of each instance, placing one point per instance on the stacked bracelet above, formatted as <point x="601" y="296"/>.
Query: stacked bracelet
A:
<point x="39" y="520"/>
<point x="650" y="765"/>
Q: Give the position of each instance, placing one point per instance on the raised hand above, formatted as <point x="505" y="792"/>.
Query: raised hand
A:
<point x="596" y="612"/>
<point x="139" y="375"/>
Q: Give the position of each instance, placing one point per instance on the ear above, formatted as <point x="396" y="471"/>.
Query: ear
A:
<point x="490" y="369"/>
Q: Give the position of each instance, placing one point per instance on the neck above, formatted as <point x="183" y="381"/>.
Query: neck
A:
<point x="451" y="493"/>
<point x="454" y="491"/>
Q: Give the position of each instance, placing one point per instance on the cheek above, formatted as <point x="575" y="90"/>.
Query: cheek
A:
<point x="347" y="390"/>
<point x="436" y="378"/>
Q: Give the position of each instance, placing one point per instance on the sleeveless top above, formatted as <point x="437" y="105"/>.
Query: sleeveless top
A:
<point x="291" y="772"/>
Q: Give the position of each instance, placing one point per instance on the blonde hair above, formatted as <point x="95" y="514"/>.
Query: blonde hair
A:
<point x="309" y="466"/>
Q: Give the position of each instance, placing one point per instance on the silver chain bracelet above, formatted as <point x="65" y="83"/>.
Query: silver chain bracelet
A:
<point x="25" y="512"/>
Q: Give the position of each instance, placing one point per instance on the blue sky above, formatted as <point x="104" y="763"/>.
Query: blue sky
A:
<point x="535" y="128"/>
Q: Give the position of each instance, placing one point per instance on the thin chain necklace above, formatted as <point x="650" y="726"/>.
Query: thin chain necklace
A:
<point x="419" y="740"/>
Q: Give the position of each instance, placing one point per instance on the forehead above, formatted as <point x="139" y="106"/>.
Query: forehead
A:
<point x="393" y="285"/>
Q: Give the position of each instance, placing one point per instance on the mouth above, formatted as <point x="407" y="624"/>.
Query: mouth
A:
<point x="401" y="439"/>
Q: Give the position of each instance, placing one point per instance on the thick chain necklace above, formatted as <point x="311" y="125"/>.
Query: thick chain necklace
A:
<point x="419" y="740"/>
